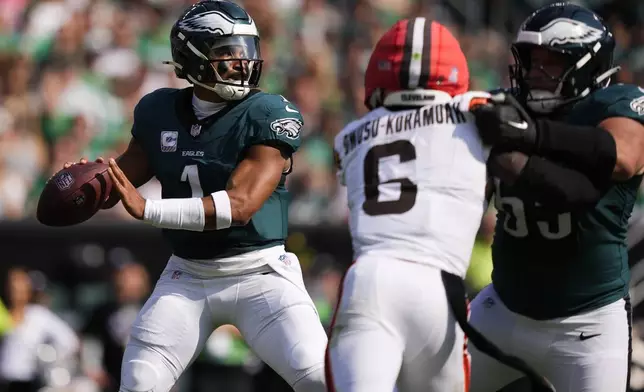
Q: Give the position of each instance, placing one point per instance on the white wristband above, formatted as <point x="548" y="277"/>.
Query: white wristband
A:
<point x="182" y="214"/>
<point x="223" y="211"/>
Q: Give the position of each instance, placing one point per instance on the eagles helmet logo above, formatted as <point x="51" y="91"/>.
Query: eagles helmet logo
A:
<point x="209" y="22"/>
<point x="289" y="127"/>
<point x="567" y="31"/>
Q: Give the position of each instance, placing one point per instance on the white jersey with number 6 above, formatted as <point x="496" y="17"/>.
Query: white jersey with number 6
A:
<point x="415" y="182"/>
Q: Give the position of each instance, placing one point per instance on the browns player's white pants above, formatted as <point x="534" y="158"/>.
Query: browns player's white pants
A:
<point x="597" y="362"/>
<point x="393" y="327"/>
<point x="272" y="310"/>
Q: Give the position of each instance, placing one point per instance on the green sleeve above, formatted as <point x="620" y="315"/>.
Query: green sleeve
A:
<point x="136" y="123"/>
<point x="138" y="119"/>
<point x="620" y="100"/>
<point x="278" y="122"/>
<point x="147" y="111"/>
<point x="630" y="107"/>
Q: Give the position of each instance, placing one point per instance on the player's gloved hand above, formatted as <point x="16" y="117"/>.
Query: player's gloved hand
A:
<point x="507" y="166"/>
<point x="503" y="121"/>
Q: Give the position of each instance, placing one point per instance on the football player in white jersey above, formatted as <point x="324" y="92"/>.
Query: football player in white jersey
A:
<point x="415" y="171"/>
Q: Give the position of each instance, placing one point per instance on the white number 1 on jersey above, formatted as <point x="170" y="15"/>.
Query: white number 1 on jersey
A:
<point x="191" y="174"/>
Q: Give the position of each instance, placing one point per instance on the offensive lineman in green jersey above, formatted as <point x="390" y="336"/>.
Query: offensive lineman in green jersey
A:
<point x="221" y="151"/>
<point x="568" y="159"/>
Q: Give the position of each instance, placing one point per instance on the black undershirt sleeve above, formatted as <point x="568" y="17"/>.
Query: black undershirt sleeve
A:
<point x="554" y="185"/>
<point x="589" y="150"/>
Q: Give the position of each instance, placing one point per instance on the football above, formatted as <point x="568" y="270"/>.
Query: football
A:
<point x="74" y="195"/>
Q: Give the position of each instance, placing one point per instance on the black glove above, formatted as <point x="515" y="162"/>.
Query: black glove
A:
<point x="503" y="122"/>
<point x="507" y="166"/>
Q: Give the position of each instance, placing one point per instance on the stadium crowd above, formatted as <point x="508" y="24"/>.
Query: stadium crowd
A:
<point x="71" y="72"/>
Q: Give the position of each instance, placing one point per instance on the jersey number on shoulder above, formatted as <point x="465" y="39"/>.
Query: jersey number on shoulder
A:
<point x="191" y="175"/>
<point x="408" y="190"/>
<point x="516" y="223"/>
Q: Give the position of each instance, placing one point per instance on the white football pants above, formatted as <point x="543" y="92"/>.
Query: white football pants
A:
<point x="271" y="309"/>
<point x="582" y="353"/>
<point x="393" y="326"/>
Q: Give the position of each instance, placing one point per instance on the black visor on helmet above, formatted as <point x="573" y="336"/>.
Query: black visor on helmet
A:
<point x="235" y="59"/>
<point x="239" y="47"/>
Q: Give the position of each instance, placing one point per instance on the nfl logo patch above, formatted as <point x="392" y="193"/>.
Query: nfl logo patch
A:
<point x="64" y="180"/>
<point x="195" y="130"/>
<point x="284" y="259"/>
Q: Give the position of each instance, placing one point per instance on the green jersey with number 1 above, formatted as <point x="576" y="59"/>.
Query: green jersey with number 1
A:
<point x="549" y="265"/>
<point x="193" y="158"/>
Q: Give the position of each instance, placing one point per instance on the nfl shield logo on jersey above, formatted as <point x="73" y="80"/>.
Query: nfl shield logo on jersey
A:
<point x="169" y="141"/>
<point x="195" y="130"/>
<point x="284" y="259"/>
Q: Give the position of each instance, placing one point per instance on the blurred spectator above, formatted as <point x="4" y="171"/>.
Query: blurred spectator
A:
<point x="37" y="338"/>
<point x="110" y="323"/>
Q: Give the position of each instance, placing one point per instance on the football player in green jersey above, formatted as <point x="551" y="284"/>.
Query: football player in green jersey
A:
<point x="221" y="151"/>
<point x="567" y="162"/>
